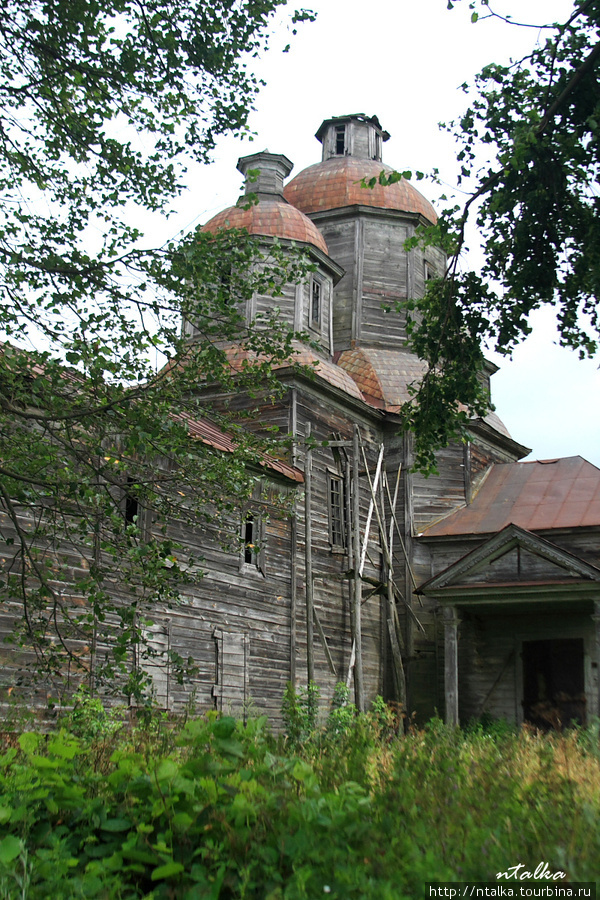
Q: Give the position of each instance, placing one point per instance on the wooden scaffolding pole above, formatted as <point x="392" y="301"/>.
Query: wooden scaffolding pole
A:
<point x="310" y="643"/>
<point x="359" y="693"/>
<point x="393" y="624"/>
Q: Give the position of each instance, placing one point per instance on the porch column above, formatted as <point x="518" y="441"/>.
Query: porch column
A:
<point x="451" y="664"/>
<point x="596" y="618"/>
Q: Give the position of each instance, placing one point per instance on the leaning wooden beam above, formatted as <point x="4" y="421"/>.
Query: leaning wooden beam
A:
<point x="384" y="544"/>
<point x="388" y="560"/>
<point x="395" y="521"/>
<point x="399" y="596"/>
<point x="359" y="694"/>
<point x="373" y="486"/>
<point x="393" y="622"/>
<point x="398" y="668"/>
<point x="310" y="649"/>
<point x="351" y="664"/>
<point x="332" y="668"/>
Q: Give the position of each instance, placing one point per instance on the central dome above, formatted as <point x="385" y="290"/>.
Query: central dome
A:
<point x="336" y="183"/>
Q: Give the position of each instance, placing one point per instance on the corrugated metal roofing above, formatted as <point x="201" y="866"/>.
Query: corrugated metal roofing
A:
<point x="550" y="493"/>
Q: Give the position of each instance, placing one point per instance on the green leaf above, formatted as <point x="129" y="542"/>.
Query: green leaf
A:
<point x="224" y="727"/>
<point x="166" y="871"/>
<point x="116" y="825"/>
<point x="10" y="848"/>
<point x="29" y="741"/>
<point x="230" y="747"/>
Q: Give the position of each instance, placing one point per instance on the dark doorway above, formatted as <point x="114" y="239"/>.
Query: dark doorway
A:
<point x="553" y="685"/>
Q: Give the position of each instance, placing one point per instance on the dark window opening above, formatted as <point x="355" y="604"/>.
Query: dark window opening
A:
<point x="315" y="303"/>
<point x="337" y="530"/>
<point x="225" y="279"/>
<point x="340" y="140"/>
<point x="553" y="683"/>
<point x="132" y="506"/>
<point x="377" y="154"/>
<point x="249" y="539"/>
<point x="253" y="543"/>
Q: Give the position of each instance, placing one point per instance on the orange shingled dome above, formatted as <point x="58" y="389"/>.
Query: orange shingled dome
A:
<point x="336" y="183"/>
<point x="272" y="218"/>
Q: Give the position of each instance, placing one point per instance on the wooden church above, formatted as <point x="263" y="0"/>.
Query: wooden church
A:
<point x="475" y="592"/>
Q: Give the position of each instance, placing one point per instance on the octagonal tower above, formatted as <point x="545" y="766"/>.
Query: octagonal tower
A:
<point x="365" y="230"/>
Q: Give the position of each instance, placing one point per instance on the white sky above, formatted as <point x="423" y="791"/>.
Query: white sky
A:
<point x="404" y="60"/>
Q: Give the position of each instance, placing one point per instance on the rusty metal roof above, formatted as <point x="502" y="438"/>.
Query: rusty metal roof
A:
<point x="302" y="355"/>
<point x="215" y="437"/>
<point x="385" y="376"/>
<point x="336" y="183"/>
<point x="272" y="218"/>
<point x="536" y="496"/>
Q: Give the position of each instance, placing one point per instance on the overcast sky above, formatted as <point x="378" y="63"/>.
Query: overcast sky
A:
<point x="404" y="62"/>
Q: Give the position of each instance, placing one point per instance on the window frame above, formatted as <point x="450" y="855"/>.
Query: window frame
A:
<point x="428" y="271"/>
<point x="315" y="323"/>
<point x="336" y="511"/>
<point x="340" y="140"/>
<point x="252" y="549"/>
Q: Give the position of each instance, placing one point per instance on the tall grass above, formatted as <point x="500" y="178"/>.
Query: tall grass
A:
<point x="217" y="809"/>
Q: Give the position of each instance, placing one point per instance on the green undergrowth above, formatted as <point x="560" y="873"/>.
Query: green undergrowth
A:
<point x="213" y="808"/>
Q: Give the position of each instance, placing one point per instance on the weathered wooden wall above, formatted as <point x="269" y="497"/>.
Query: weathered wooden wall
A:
<point x="490" y="662"/>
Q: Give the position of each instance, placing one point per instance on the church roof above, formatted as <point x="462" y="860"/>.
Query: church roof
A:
<point x="270" y="217"/>
<point x="302" y="355"/>
<point x="336" y="183"/>
<point x="384" y="377"/>
<point x="536" y="496"/>
<point x="208" y="433"/>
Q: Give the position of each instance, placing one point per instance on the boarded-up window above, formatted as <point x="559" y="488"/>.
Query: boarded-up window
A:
<point x="153" y="659"/>
<point x="231" y="679"/>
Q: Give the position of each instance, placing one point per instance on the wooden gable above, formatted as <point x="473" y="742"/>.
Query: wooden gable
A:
<point x="510" y="564"/>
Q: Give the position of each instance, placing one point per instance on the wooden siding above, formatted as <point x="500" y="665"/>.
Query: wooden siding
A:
<point x="341" y="238"/>
<point x="384" y="282"/>
<point x="490" y="661"/>
<point x="437" y="496"/>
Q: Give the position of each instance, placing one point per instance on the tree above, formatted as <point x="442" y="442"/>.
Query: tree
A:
<point x="102" y="105"/>
<point x="529" y="160"/>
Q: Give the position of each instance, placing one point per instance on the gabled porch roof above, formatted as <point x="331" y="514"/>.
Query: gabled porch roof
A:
<point x="514" y="567"/>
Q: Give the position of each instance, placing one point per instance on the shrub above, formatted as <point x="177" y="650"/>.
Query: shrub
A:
<point x="222" y="810"/>
<point x="299" y="710"/>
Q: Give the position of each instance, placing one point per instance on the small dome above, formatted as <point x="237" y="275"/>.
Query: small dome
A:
<point x="336" y="183"/>
<point x="271" y="217"/>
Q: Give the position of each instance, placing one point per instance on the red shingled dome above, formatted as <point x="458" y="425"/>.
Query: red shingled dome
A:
<point x="272" y="218"/>
<point x="335" y="183"/>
